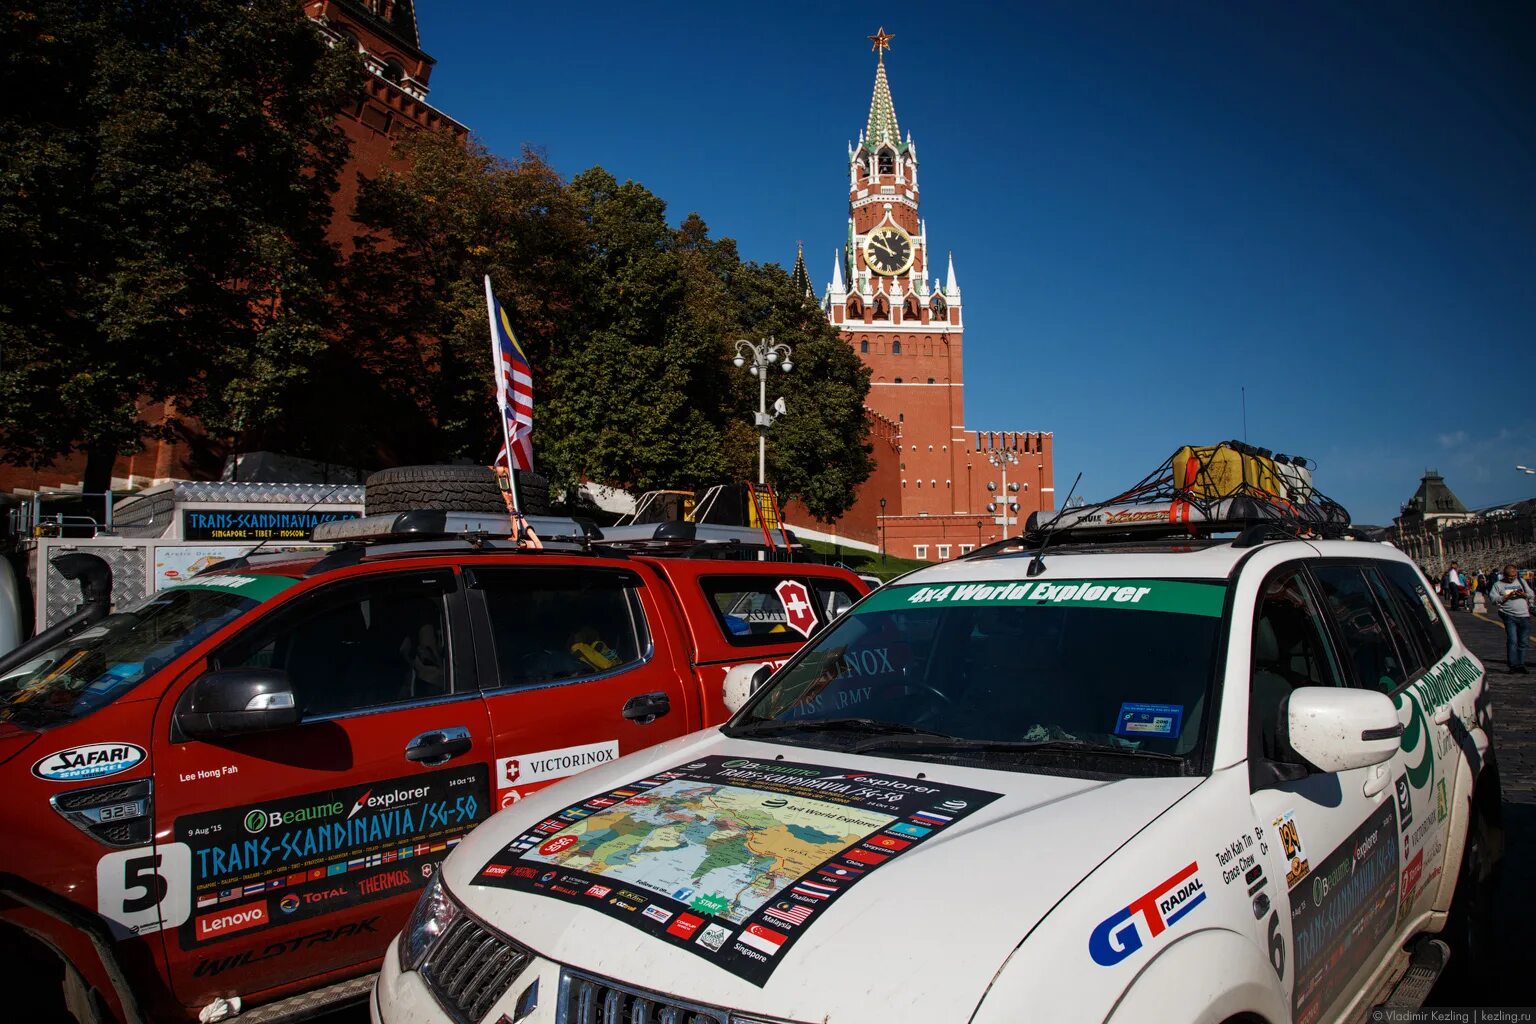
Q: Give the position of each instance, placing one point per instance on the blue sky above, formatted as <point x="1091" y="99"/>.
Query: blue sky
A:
<point x="1150" y="206"/>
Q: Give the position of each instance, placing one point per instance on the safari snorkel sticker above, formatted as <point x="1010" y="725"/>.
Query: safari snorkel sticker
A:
<point x="730" y="858"/>
<point x="91" y="761"/>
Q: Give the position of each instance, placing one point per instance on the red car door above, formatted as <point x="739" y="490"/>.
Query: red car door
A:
<point x="299" y="851"/>
<point x="581" y="665"/>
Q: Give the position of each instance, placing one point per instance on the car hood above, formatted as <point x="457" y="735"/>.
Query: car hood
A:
<point x="950" y="910"/>
<point x="14" y="739"/>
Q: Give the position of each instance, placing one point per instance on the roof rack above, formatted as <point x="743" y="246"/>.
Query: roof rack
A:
<point x="437" y="524"/>
<point x="697" y="540"/>
<point x="675" y="538"/>
<point x="1229" y="488"/>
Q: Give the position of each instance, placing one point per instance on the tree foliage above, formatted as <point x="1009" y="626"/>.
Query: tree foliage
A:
<point x="169" y="167"/>
<point x="629" y="325"/>
<point x="172" y="165"/>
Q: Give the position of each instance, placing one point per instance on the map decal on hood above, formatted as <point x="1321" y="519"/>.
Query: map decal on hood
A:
<point x="731" y="858"/>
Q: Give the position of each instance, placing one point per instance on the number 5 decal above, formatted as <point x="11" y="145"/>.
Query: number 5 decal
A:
<point x="145" y="889"/>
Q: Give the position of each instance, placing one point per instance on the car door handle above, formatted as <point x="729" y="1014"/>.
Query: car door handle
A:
<point x="437" y="746"/>
<point x="647" y="707"/>
<point x="1376" y="779"/>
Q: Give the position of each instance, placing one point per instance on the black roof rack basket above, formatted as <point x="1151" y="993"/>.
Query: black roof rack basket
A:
<point x="1220" y="489"/>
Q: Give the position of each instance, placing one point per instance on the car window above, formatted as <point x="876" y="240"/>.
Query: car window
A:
<point x="357" y="644"/>
<point x="101" y="664"/>
<point x="1422" y="619"/>
<point x="833" y="598"/>
<point x="554" y="625"/>
<point x="984" y="662"/>
<point x="1290" y="650"/>
<point x="1364" y="631"/>
<point x="751" y="611"/>
<point x="1414" y="650"/>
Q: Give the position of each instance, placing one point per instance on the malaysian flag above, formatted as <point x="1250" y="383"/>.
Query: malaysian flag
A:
<point x="788" y="913"/>
<point x="514" y="387"/>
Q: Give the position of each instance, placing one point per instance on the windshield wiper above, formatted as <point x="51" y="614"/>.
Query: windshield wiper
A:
<point x="772" y="726"/>
<point x="935" y="741"/>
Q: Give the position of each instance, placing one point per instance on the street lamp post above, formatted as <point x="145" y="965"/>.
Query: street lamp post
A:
<point x="882" y="533"/>
<point x="761" y="356"/>
<point x="1002" y="458"/>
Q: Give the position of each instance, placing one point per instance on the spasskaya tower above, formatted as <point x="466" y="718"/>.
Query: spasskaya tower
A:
<point x="887" y="300"/>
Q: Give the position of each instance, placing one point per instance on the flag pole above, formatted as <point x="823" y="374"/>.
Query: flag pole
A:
<point x="501" y="402"/>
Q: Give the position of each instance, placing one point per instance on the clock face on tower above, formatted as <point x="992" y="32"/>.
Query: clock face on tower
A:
<point x="888" y="251"/>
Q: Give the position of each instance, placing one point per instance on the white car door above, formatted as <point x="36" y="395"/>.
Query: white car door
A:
<point x="1338" y="832"/>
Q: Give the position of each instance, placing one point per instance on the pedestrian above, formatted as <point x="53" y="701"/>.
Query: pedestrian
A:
<point x="1512" y="596"/>
<point x="1452" y="588"/>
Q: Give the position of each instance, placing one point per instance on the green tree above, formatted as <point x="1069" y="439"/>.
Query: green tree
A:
<point x="170" y="174"/>
<point x="627" y="322"/>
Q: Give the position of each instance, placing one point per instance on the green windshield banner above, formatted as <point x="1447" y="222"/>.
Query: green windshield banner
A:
<point x="258" y="587"/>
<point x="1181" y="597"/>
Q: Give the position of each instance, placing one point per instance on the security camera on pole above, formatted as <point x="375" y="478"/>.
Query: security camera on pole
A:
<point x="1003" y="458"/>
<point x="762" y="356"/>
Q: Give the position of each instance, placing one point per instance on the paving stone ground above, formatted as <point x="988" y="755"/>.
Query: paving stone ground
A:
<point x="1514" y="738"/>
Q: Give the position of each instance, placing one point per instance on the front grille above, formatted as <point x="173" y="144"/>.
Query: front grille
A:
<point x="471" y="968"/>
<point x="587" y="999"/>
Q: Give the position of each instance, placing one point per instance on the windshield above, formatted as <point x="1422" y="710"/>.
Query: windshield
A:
<point x="99" y="665"/>
<point x="1015" y="674"/>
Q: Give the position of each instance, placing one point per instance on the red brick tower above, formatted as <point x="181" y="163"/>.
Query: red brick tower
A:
<point x="394" y="96"/>
<point x="887" y="300"/>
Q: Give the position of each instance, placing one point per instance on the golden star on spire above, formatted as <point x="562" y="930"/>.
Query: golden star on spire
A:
<point x="882" y="41"/>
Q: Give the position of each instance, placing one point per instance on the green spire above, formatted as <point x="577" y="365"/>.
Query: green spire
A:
<point x="882" y="127"/>
<point x="799" y="277"/>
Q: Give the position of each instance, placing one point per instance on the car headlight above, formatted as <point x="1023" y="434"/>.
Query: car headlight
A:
<point x="434" y="912"/>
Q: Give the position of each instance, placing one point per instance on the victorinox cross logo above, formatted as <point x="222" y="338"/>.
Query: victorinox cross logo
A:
<point x="799" y="613"/>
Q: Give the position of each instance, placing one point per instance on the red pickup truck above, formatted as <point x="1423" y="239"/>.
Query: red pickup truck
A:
<point x="236" y="787"/>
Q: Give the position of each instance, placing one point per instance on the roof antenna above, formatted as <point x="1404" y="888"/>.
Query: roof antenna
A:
<point x="1037" y="564"/>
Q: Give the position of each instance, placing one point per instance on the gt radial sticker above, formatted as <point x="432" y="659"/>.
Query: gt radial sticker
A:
<point x="799" y="611"/>
<point x="252" y="867"/>
<point x="744" y="855"/>
<point x="91" y="761"/>
<point x="1119" y="935"/>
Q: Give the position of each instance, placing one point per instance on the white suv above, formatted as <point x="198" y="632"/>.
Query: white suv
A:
<point x="1170" y="779"/>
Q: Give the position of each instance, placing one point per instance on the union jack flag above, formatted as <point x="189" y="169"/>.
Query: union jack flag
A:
<point x="514" y="387"/>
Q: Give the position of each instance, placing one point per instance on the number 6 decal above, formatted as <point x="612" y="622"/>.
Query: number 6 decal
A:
<point x="145" y="889"/>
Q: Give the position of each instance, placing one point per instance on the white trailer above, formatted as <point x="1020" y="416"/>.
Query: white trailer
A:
<point x="153" y="538"/>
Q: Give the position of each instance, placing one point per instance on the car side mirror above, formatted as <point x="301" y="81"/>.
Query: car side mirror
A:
<point x="742" y="681"/>
<point x="1335" y="729"/>
<point x="239" y="700"/>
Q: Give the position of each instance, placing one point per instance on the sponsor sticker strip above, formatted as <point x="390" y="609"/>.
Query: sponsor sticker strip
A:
<point x="258" y="866"/>
<point x="1348" y="907"/>
<point x="729" y="858"/>
<point x="1179" y="596"/>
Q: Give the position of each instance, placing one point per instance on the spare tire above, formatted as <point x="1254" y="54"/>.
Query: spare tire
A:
<point x="452" y="489"/>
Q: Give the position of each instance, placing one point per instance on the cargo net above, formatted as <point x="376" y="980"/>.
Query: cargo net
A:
<point x="1229" y="485"/>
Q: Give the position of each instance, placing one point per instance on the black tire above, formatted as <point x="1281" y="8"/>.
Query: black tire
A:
<point x="450" y="488"/>
<point x="1471" y="929"/>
